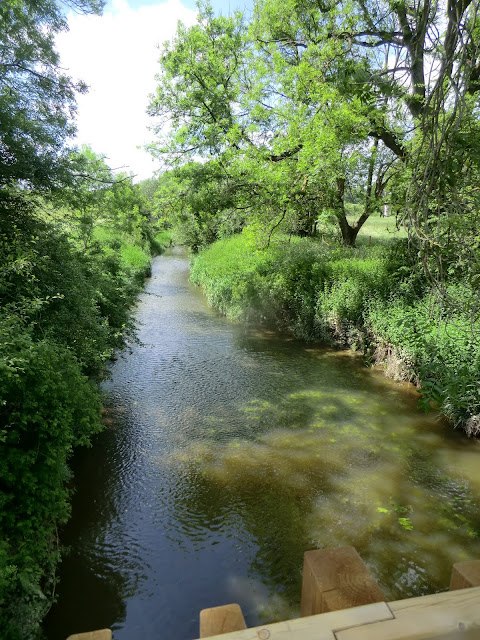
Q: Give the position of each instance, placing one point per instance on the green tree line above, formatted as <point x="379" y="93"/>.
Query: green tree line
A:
<point x="308" y="107"/>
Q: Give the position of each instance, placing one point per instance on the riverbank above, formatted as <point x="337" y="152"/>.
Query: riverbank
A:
<point x="370" y="299"/>
<point x="65" y="307"/>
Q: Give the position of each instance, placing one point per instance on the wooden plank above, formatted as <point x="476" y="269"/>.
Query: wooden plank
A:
<point x="450" y="599"/>
<point x="336" y="579"/>
<point x="102" y="634"/>
<point x="454" y="613"/>
<point x="217" y="620"/>
<point x="465" y="575"/>
<point x="319" y="627"/>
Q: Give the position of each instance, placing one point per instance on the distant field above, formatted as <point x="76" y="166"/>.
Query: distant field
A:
<point x="380" y="230"/>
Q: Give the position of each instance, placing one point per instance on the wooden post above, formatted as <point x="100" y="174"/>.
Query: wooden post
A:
<point x="219" y="620"/>
<point x="103" y="634"/>
<point x="465" y="575"/>
<point x="335" y="579"/>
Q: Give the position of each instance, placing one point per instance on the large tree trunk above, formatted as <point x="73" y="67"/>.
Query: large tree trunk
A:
<point x="349" y="236"/>
<point x="349" y="233"/>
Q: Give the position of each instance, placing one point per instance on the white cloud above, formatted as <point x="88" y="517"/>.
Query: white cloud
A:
<point x="117" y="56"/>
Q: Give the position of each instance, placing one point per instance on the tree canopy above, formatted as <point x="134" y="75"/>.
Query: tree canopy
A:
<point x="74" y="249"/>
<point x="310" y="101"/>
<point x="37" y="99"/>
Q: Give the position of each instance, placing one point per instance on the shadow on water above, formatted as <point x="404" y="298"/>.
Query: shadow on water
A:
<point x="85" y="572"/>
<point x="232" y="452"/>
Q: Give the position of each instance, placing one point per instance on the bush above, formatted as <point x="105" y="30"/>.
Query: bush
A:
<point x="160" y="241"/>
<point x="63" y="311"/>
<point x="443" y="352"/>
<point x="296" y="284"/>
<point x="47" y="406"/>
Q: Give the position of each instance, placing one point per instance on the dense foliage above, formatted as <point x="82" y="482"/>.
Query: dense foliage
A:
<point x="288" y="122"/>
<point x="199" y="202"/>
<point x="37" y="98"/>
<point x="64" y="309"/>
<point x="311" y="105"/>
<point x="75" y="245"/>
<point x="308" y="112"/>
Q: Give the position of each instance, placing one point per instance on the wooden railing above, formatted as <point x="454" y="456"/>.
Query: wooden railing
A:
<point x="342" y="601"/>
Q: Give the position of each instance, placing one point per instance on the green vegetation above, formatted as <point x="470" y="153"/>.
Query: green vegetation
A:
<point x="75" y="245"/>
<point x="366" y="298"/>
<point x="295" y="128"/>
<point x="64" y="309"/>
<point x="310" y="119"/>
<point x="310" y="111"/>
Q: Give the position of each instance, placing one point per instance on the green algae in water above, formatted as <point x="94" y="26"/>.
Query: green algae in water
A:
<point x="327" y="469"/>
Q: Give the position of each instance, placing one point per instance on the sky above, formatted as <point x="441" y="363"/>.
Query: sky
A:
<point x="117" y="54"/>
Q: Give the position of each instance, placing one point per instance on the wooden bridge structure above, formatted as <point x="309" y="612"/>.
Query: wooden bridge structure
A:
<point x="342" y="601"/>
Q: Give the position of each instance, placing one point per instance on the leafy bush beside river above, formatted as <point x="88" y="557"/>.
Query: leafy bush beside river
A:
<point x="64" y="309"/>
<point x="369" y="298"/>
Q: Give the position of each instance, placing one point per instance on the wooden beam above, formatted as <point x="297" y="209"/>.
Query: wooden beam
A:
<point x="465" y="575"/>
<point x="321" y="627"/>
<point x="103" y="634"/>
<point x="452" y="614"/>
<point x="335" y="579"/>
<point x="219" y="620"/>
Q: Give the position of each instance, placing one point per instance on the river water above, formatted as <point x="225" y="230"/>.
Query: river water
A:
<point x="231" y="451"/>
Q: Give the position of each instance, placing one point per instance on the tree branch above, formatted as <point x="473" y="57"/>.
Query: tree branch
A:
<point x="390" y="140"/>
<point x="285" y="154"/>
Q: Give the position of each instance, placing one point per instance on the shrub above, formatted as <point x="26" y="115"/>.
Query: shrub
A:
<point x="442" y="352"/>
<point x="47" y="406"/>
<point x="63" y="311"/>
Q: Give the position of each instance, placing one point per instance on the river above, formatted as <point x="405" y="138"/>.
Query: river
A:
<point x="230" y="451"/>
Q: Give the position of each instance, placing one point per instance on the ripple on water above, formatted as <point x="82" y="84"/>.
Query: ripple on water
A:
<point x="234" y="451"/>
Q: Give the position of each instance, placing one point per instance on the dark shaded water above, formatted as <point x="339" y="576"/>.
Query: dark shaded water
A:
<point x="231" y="452"/>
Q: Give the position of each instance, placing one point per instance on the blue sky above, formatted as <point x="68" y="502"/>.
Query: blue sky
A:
<point x="117" y="56"/>
<point x="220" y="6"/>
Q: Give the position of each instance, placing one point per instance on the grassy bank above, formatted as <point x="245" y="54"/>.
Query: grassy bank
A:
<point x="368" y="298"/>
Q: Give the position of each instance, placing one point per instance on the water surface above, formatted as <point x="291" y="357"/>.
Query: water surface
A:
<point x="230" y="452"/>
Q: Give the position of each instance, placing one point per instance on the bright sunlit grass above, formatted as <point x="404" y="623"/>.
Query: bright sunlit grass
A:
<point x="379" y="230"/>
<point x="134" y="256"/>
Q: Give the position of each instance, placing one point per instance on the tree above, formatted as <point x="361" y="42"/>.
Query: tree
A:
<point x="37" y="99"/>
<point x="94" y="194"/>
<point x="321" y="92"/>
<point x="415" y="69"/>
<point x="287" y="142"/>
<point x="201" y="202"/>
<point x="81" y="200"/>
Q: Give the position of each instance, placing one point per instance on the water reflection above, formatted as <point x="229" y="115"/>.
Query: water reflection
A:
<point x="232" y="451"/>
<point x="91" y="568"/>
